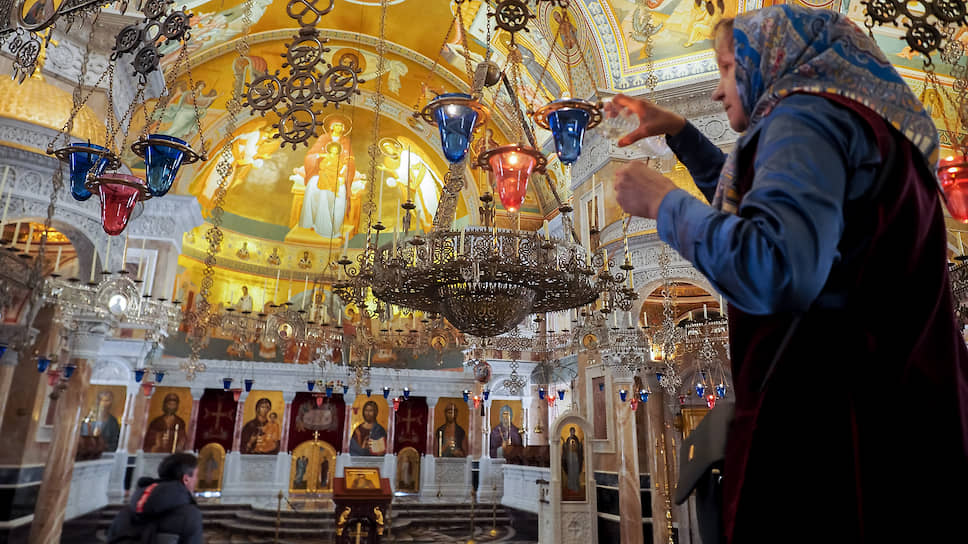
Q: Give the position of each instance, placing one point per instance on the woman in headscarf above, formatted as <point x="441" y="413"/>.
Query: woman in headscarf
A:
<point x="851" y="409"/>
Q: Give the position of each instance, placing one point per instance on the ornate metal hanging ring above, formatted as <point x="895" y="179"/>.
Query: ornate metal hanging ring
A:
<point x="339" y="84"/>
<point x="306" y="13"/>
<point x="297" y="126"/>
<point x="264" y="93"/>
<point x="512" y="15"/>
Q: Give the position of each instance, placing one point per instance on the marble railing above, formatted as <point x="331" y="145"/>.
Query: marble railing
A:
<point x="520" y="488"/>
<point x="89" y="487"/>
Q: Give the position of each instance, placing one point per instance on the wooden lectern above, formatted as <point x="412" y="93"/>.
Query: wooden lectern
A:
<point x="362" y="499"/>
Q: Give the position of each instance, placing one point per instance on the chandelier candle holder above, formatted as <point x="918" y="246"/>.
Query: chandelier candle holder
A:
<point x="568" y="119"/>
<point x="484" y="281"/>
<point x="116" y="298"/>
<point x="456" y="116"/>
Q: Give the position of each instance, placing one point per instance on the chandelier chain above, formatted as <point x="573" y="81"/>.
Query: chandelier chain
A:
<point x="374" y="148"/>
<point x="202" y="316"/>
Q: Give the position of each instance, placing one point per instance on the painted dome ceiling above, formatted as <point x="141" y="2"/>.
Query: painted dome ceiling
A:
<point x="279" y="207"/>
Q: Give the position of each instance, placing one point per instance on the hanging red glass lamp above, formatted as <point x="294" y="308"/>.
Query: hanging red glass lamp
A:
<point x="512" y="166"/>
<point x="119" y="194"/>
<point x="953" y="175"/>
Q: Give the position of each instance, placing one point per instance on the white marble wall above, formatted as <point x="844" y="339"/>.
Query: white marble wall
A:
<point x="520" y="488"/>
<point x="446" y="477"/>
<point x="89" y="487"/>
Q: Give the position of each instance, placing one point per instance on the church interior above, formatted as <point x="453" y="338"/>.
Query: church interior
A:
<point x="466" y="338"/>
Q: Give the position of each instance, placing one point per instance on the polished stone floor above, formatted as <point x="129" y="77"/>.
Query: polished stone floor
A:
<point x="504" y="535"/>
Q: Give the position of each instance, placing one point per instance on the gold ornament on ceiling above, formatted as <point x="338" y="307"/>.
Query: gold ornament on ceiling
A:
<point x="20" y="103"/>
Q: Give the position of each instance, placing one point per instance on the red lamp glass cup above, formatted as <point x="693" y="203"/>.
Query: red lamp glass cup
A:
<point x="119" y="194"/>
<point x="512" y="166"/>
<point x="953" y="175"/>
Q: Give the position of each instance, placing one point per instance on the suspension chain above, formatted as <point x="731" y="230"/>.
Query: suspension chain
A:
<point x="374" y="148"/>
<point x="199" y="319"/>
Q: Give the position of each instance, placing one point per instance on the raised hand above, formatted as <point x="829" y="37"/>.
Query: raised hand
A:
<point x="653" y="120"/>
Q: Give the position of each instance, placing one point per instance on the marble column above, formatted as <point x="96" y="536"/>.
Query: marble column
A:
<point x="55" y="488"/>
<point x="11" y="336"/>
<point x="239" y="416"/>
<point x="287" y="398"/>
<point x="659" y="467"/>
<point x="626" y="445"/>
<point x="139" y="420"/>
<point x="197" y="393"/>
<point x="344" y="446"/>
<point x="538" y="425"/>
<point x="431" y="427"/>
<point x="8" y="363"/>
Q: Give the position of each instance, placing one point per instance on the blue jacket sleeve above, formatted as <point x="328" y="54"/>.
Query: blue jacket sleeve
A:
<point x="777" y="252"/>
<point x="700" y="156"/>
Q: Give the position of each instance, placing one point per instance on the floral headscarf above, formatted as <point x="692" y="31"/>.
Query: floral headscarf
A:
<point x="786" y="49"/>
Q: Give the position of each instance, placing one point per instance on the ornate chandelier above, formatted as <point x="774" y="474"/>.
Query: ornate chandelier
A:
<point x="485" y="281"/>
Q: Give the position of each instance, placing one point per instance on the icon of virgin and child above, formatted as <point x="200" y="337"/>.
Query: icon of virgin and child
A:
<point x="262" y="433"/>
<point x="369" y="437"/>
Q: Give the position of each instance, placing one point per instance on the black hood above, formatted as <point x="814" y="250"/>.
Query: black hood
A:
<point x="162" y="496"/>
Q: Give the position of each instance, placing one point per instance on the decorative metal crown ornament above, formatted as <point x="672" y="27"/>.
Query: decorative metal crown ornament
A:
<point x="294" y="97"/>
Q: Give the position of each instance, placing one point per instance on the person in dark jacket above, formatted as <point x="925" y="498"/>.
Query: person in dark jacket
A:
<point x="162" y="510"/>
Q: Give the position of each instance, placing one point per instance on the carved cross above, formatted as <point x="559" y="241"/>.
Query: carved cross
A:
<point x="315" y="436"/>
<point x="218" y="414"/>
<point x="359" y="533"/>
<point x="409" y="420"/>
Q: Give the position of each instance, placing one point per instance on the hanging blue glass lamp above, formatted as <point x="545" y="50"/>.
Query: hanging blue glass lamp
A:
<point x="159" y="376"/>
<point x="3" y="349"/>
<point x="456" y="115"/>
<point x="644" y="395"/>
<point x="164" y="156"/>
<point x="406" y="393"/>
<point x="310" y="384"/>
<point x="226" y="383"/>
<point x="487" y="393"/>
<point x="369" y="392"/>
<point x="139" y="374"/>
<point x="329" y="391"/>
<point x="386" y="392"/>
<point x="623" y="394"/>
<point x="467" y="395"/>
<point x="700" y="389"/>
<point x="721" y="390"/>
<point x="84" y="159"/>
<point x="69" y="371"/>
<point x="42" y="364"/>
<point x="568" y="119"/>
<point x="561" y="394"/>
<point x="541" y="393"/>
<point x="346" y="388"/>
<point x="248" y="384"/>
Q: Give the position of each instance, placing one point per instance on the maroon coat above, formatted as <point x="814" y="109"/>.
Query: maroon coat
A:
<point x="861" y="432"/>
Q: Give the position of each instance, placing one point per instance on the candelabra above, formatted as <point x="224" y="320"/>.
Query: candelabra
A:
<point x="114" y="299"/>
